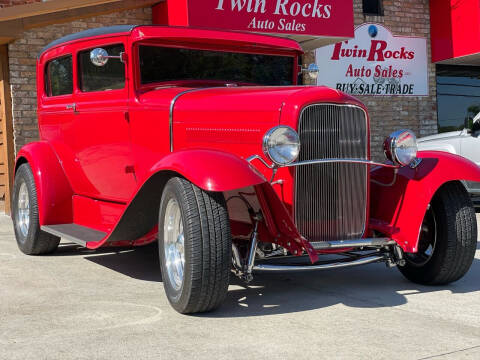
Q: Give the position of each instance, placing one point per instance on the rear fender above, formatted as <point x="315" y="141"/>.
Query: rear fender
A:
<point x="398" y="205"/>
<point x="54" y="193"/>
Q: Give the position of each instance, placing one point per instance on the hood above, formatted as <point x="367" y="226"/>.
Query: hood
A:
<point x="441" y="136"/>
<point x="252" y="103"/>
<point x="215" y="117"/>
<point x="234" y="119"/>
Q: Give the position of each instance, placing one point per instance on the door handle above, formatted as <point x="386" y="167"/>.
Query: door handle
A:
<point x="72" y="107"/>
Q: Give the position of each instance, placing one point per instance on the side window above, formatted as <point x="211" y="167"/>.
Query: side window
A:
<point x="59" y="76"/>
<point x="101" y="78"/>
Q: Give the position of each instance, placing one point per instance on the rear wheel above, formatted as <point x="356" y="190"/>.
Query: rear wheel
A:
<point x="194" y="247"/>
<point x="448" y="239"/>
<point x="30" y="239"/>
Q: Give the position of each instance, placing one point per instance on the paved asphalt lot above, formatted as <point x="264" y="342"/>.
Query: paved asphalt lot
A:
<point x="82" y="304"/>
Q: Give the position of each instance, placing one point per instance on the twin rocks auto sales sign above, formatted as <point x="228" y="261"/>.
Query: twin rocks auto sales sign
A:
<point x="326" y="18"/>
<point x="375" y="63"/>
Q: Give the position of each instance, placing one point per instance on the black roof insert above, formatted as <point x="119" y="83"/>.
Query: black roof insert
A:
<point x="107" y="30"/>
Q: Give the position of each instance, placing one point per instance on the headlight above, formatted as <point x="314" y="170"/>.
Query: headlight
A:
<point x="401" y="147"/>
<point x="282" y="145"/>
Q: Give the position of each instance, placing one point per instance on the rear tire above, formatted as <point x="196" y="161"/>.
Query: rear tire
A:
<point x="194" y="246"/>
<point x="448" y="240"/>
<point x="30" y="239"/>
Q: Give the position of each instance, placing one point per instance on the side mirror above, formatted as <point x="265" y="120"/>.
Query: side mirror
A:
<point x="476" y="124"/>
<point x="99" y="57"/>
<point x="312" y="71"/>
<point x="476" y="127"/>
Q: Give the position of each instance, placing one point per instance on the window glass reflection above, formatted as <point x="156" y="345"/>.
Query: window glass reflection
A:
<point x="458" y="96"/>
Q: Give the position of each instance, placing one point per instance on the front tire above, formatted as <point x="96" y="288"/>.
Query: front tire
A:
<point x="30" y="239"/>
<point x="448" y="239"/>
<point x="194" y="246"/>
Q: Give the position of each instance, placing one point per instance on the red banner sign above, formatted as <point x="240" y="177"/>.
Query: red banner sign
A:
<point x="331" y="18"/>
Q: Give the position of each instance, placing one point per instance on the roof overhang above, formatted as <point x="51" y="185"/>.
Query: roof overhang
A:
<point x="310" y="42"/>
<point x="15" y="20"/>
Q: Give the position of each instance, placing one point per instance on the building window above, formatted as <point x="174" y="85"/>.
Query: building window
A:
<point x="111" y="76"/>
<point x="458" y="96"/>
<point x="59" y="76"/>
<point x="373" y="7"/>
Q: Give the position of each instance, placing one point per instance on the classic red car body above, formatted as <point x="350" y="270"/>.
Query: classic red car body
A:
<point x="102" y="163"/>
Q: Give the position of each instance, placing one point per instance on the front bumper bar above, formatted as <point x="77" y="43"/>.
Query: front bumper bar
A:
<point x="359" y="243"/>
<point x="363" y="261"/>
<point x="377" y="243"/>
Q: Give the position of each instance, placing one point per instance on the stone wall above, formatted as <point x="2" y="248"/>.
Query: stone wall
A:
<point x="7" y="3"/>
<point x="22" y="62"/>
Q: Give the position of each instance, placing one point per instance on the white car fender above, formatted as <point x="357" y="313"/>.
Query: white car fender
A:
<point x="434" y="146"/>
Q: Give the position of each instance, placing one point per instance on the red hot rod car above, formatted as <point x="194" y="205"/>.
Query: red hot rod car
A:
<point x="201" y="139"/>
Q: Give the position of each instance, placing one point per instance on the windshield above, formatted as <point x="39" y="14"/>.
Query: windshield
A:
<point x="163" y="64"/>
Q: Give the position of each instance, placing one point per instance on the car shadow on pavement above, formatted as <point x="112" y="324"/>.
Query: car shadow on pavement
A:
<point x="140" y="263"/>
<point x="369" y="286"/>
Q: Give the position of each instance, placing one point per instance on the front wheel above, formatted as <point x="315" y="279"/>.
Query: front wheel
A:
<point x="448" y="239"/>
<point x="194" y="246"/>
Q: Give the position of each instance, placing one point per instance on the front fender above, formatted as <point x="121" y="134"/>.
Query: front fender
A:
<point x="211" y="170"/>
<point x="54" y="193"/>
<point x="398" y="205"/>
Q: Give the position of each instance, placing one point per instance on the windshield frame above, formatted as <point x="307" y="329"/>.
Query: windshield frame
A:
<point x="251" y="49"/>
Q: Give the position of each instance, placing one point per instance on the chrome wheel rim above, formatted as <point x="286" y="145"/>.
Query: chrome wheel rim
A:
<point x="173" y="244"/>
<point x="23" y="210"/>
<point x="427" y="241"/>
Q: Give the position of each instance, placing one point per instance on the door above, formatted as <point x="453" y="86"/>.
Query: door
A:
<point x="101" y="138"/>
<point x="56" y="112"/>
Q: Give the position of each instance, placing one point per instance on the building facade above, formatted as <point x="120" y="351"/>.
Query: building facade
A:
<point x="22" y="61"/>
<point x="30" y="25"/>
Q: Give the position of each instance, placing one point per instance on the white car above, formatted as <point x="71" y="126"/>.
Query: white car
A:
<point x="465" y="143"/>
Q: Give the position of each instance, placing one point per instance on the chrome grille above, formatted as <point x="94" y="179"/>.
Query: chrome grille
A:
<point x="331" y="199"/>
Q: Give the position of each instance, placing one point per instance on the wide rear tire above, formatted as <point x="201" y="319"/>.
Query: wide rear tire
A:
<point x="194" y="246"/>
<point x="30" y="239"/>
<point x="448" y="240"/>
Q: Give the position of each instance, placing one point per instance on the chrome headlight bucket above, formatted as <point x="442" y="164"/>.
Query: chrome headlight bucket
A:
<point x="282" y="145"/>
<point x="401" y="147"/>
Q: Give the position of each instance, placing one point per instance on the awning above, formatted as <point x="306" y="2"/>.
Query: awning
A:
<point x="455" y="31"/>
<point x="313" y="23"/>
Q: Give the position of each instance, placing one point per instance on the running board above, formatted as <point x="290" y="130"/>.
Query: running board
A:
<point x="78" y="234"/>
<point x="341" y="244"/>
<point x="335" y="265"/>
